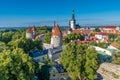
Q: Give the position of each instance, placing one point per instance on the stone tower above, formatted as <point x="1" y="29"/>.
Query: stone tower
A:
<point x="56" y="38"/>
<point x="73" y="21"/>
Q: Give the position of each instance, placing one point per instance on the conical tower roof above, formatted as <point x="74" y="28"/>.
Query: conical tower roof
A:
<point x="56" y="31"/>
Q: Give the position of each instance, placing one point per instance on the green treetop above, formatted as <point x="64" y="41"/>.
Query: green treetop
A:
<point x="26" y="44"/>
<point x="47" y="37"/>
<point x="72" y="36"/>
<point x="80" y="61"/>
<point x="16" y="65"/>
<point x="116" y="58"/>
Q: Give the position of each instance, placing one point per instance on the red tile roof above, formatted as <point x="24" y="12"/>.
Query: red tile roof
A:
<point x="102" y="33"/>
<point x="34" y="29"/>
<point x="115" y="44"/>
<point x="109" y="27"/>
<point x="84" y="31"/>
<point x="31" y="29"/>
<point x="56" y="31"/>
<point x="38" y="36"/>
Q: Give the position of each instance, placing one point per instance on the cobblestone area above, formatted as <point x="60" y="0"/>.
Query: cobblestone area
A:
<point x="109" y="71"/>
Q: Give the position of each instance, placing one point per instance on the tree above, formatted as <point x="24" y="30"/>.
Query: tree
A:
<point x="7" y="36"/>
<point x="47" y="37"/>
<point x="116" y="58"/>
<point x="91" y="64"/>
<point x="97" y="29"/>
<point x="3" y="46"/>
<point x="43" y="69"/>
<point x="72" y="36"/>
<point x="80" y="61"/>
<point x="112" y="37"/>
<point x="19" y="34"/>
<point x="26" y="44"/>
<point x="16" y="65"/>
<point x="102" y="44"/>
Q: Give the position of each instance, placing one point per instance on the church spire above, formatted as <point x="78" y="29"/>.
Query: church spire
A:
<point x="54" y="22"/>
<point x="73" y="16"/>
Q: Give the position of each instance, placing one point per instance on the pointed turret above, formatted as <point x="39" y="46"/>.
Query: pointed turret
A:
<point x="73" y="16"/>
<point x="73" y="21"/>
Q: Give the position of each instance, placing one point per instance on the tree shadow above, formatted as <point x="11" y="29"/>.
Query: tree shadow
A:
<point x="99" y="76"/>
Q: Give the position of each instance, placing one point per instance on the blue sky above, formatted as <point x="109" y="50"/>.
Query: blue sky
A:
<point x="44" y="12"/>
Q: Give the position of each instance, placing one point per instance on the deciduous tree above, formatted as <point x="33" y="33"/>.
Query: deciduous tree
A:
<point x="16" y="65"/>
<point x="47" y="37"/>
<point x="80" y="61"/>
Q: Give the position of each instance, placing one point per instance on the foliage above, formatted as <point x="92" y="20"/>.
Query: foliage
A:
<point x="48" y="61"/>
<point x="43" y="29"/>
<point x="118" y="39"/>
<point x="102" y="44"/>
<point x="19" y="34"/>
<point x="116" y="58"/>
<point x="3" y="46"/>
<point x="42" y="69"/>
<point x="97" y="29"/>
<point x="72" y="36"/>
<point x="26" y="44"/>
<point x="112" y="37"/>
<point x="16" y="65"/>
<point x="43" y="73"/>
<point x="7" y="36"/>
<point x="80" y="61"/>
<point x="47" y="37"/>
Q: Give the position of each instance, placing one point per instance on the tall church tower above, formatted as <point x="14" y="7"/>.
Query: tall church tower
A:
<point x="73" y="21"/>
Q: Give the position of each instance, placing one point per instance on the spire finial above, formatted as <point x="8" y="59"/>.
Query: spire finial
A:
<point x="73" y="17"/>
<point x="73" y="11"/>
<point x="54" y="22"/>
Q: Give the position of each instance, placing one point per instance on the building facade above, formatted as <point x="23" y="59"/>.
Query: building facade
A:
<point x="110" y="29"/>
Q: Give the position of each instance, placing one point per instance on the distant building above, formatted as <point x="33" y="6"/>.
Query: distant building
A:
<point x="101" y="35"/>
<point x="73" y="21"/>
<point x="56" y="38"/>
<point x="110" y="29"/>
<point x="31" y="32"/>
<point x="40" y="36"/>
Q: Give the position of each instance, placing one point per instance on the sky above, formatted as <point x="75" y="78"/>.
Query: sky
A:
<point x="16" y="13"/>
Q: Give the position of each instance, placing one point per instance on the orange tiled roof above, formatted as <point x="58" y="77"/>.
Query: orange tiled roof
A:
<point x="115" y="44"/>
<point x="56" y="31"/>
<point x="109" y="27"/>
<point x="84" y="31"/>
<point x="31" y="29"/>
<point x="34" y="29"/>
